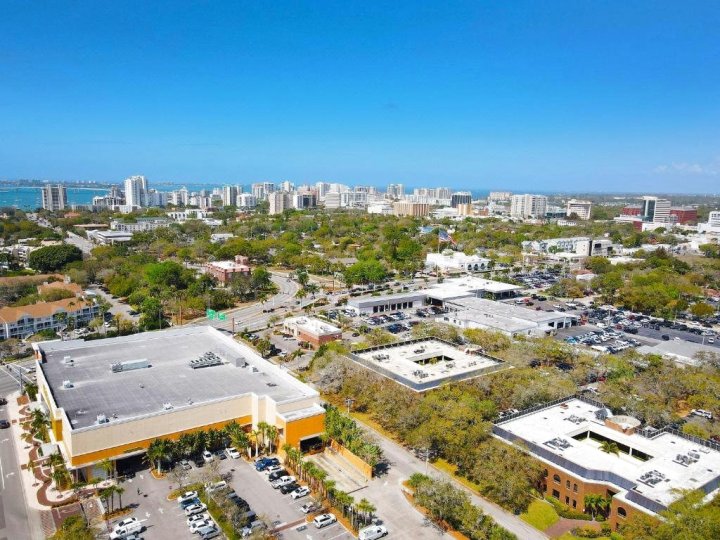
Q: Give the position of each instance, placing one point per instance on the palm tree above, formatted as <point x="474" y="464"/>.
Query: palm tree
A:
<point x="184" y="444"/>
<point x="55" y="460"/>
<point x="59" y="476"/>
<point x="31" y="467"/>
<point x="271" y="433"/>
<point x="108" y="467"/>
<point x="263" y="427"/>
<point x="119" y="490"/>
<point x="366" y="508"/>
<point x="610" y="447"/>
<point x="240" y="440"/>
<point x="592" y="502"/>
<point x="107" y="494"/>
<point x="256" y="438"/>
<point x="159" y="450"/>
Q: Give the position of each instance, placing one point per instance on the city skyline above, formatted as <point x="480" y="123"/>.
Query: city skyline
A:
<point x="521" y="97"/>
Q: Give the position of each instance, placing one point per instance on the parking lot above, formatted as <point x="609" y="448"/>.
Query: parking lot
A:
<point x="165" y="520"/>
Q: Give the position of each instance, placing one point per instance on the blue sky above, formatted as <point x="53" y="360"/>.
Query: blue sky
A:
<point x="562" y="95"/>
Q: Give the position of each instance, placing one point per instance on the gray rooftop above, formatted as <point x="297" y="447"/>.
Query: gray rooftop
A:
<point x="96" y="389"/>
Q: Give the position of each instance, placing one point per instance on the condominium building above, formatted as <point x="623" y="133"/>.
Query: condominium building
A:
<point x="461" y="197"/>
<point x="414" y="209"/>
<point x="499" y="196"/>
<point x="395" y="191"/>
<point x="279" y="201"/>
<point x="139" y="225"/>
<point x="528" y="206"/>
<point x="110" y="398"/>
<point x="23" y="321"/>
<point x="54" y="197"/>
<point x="229" y="195"/>
<point x="332" y="200"/>
<point x="582" y="209"/>
<point x="246" y="201"/>
<point x="135" y="191"/>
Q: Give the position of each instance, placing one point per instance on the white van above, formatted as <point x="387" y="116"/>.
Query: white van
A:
<point x="120" y="533"/>
<point x="372" y="533"/>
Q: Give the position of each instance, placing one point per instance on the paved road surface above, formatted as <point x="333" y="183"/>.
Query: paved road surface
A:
<point x="252" y="316"/>
<point x="83" y="244"/>
<point x="402" y="465"/>
<point x="13" y="513"/>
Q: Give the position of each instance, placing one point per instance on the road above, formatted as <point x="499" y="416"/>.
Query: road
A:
<point x="117" y="307"/>
<point x="83" y="244"/>
<point x="13" y="512"/>
<point x="393" y="507"/>
<point x="252" y="316"/>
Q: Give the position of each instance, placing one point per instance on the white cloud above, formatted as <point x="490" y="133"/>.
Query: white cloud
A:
<point x="694" y="169"/>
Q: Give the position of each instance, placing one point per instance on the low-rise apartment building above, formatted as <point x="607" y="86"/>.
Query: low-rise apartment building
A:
<point x="23" y="321"/>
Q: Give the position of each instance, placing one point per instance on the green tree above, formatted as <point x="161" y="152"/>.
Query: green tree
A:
<point x="702" y="310"/>
<point x="75" y="528"/>
<point x="53" y="258"/>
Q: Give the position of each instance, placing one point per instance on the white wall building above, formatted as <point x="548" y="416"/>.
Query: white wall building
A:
<point x="135" y="191"/>
<point x="583" y="209"/>
<point x="456" y="261"/>
<point x="528" y="206"/>
<point x="246" y="201"/>
<point x="54" y="197"/>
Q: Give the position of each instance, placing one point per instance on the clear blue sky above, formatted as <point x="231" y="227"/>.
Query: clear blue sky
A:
<point x="575" y="95"/>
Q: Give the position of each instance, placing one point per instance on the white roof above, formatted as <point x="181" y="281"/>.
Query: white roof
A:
<point x="312" y="325"/>
<point x="468" y="286"/>
<point x="575" y="418"/>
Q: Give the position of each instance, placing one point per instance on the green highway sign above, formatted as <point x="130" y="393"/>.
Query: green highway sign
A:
<point x="221" y="316"/>
<point x="210" y="313"/>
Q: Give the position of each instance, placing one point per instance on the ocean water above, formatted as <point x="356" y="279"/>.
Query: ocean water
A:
<point x="29" y="197"/>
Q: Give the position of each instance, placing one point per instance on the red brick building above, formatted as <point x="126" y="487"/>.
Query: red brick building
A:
<point x="225" y="271"/>
<point x="683" y="214"/>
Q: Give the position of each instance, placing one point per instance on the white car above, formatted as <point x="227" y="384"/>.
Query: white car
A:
<point x="127" y="521"/>
<point x="372" y="533"/>
<point x="207" y="456"/>
<point x="272" y="469"/>
<point x="200" y="524"/>
<point x="283" y="481"/>
<point x="323" y="520"/>
<point x="184" y="497"/>
<point x="232" y="453"/>
<point x="309" y="507"/>
<point x="302" y="491"/>
<point x="195" y="509"/>
<point x="196" y="518"/>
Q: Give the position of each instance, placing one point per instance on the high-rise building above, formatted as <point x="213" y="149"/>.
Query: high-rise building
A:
<point x="135" y="191"/>
<point x="303" y="200"/>
<point x="246" y="201"/>
<point x="461" y="197"/>
<point x="287" y="185"/>
<point x="528" y="206"/>
<point x="499" y="196"/>
<point x="582" y="209"/>
<point x="332" y="200"/>
<point x="655" y="210"/>
<point x="277" y="200"/>
<point x="229" y="195"/>
<point x="54" y="197"/>
<point x="395" y="191"/>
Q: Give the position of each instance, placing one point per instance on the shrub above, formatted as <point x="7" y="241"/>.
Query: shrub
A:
<point x="565" y="511"/>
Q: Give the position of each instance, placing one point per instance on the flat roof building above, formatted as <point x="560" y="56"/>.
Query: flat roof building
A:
<point x="111" y="398"/>
<point x="467" y="286"/>
<point x="645" y="474"/>
<point x="225" y="271"/>
<point x="505" y="318"/>
<point x="423" y="364"/>
<point x="456" y="261"/>
<point x="312" y="330"/>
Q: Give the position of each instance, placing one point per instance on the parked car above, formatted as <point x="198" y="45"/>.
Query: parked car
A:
<point x="4" y="424"/>
<point x="185" y="465"/>
<point x="189" y="502"/>
<point x="206" y="533"/>
<point x="265" y="462"/>
<point x="287" y="488"/>
<point x="200" y="524"/>
<point x="372" y="533"/>
<point x="300" y="492"/>
<point x="277" y="474"/>
<point x="273" y="469"/>
<point x="323" y="520"/>
<point x="307" y="508"/>
<point x="195" y="509"/>
<point x="282" y="481"/>
<point x="232" y="453"/>
<point x="196" y="518"/>
<point x="187" y="496"/>
<point x="256" y="525"/>
<point x="207" y="456"/>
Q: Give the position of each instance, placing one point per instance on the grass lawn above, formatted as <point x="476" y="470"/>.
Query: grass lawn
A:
<point x="540" y="515"/>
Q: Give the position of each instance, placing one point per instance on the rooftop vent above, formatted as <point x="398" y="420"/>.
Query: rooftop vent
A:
<point x="167" y="406"/>
<point x="67" y="384"/>
<point x="206" y="360"/>
<point x="129" y="365"/>
<point x="101" y="419"/>
<point x="68" y="360"/>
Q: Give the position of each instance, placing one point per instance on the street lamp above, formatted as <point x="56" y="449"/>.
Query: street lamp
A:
<point x="349" y="402"/>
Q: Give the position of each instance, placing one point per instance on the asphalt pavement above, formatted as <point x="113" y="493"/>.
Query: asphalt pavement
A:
<point x="14" y="521"/>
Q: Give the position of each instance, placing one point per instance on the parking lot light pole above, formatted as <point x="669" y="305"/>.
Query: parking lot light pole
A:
<point x="349" y="402"/>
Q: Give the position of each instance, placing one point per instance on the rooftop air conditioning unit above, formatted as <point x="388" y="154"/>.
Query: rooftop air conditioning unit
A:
<point x="167" y="406"/>
<point x="67" y="384"/>
<point x="102" y="419"/>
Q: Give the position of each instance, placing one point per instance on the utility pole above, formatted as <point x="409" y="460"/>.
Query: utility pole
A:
<point x="349" y="402"/>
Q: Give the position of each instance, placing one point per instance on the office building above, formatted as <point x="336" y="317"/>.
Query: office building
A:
<point x="311" y="330"/>
<point x="528" y="206"/>
<point x="461" y="197"/>
<point x="582" y="209"/>
<point x="650" y="471"/>
<point x="684" y="215"/>
<point x="303" y="200"/>
<point x="332" y="200"/>
<point x="414" y="209"/>
<point x="655" y="210"/>
<point x="110" y="398"/>
<point x="135" y="191"/>
<point x="54" y="197"/>
<point x="226" y="271"/>
<point x="456" y="261"/>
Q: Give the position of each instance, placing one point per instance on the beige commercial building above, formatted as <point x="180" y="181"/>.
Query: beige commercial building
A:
<point x="111" y="398"/>
<point x="414" y="209"/>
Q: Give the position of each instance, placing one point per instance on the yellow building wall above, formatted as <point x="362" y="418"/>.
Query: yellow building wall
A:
<point x="300" y="429"/>
<point x="118" y="451"/>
